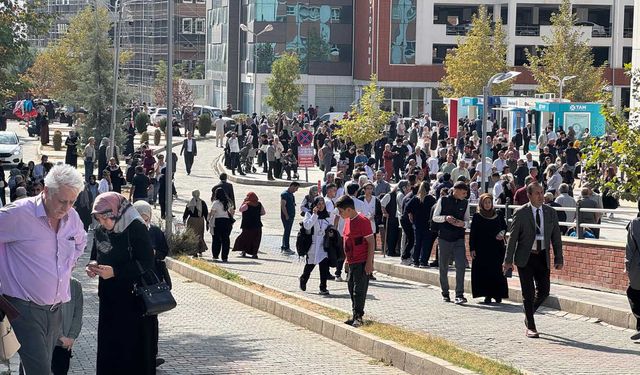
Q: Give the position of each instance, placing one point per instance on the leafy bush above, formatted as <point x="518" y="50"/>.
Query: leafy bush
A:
<point x="144" y="137"/>
<point x="141" y="122"/>
<point x="184" y="243"/>
<point x="204" y="125"/>
<point x="163" y="124"/>
<point x="57" y="140"/>
<point x="157" y="136"/>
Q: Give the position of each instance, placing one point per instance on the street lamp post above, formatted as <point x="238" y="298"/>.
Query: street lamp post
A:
<point x="168" y="213"/>
<point x="116" y="71"/>
<point x="561" y="82"/>
<point x="266" y="29"/>
<point x="486" y="93"/>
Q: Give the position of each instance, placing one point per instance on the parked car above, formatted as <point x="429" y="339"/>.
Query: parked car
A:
<point x="10" y="148"/>
<point x="214" y="112"/>
<point x="161" y="112"/>
<point x="596" y="30"/>
<point x="330" y="116"/>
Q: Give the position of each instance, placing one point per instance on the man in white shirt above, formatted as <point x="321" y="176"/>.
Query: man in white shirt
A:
<point x="432" y="163"/>
<point x="500" y="162"/>
<point x="219" y="124"/>
<point x="190" y="150"/>
<point x="234" y="154"/>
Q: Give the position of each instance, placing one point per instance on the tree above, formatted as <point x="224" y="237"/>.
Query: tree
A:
<point x="19" y="20"/>
<point x="182" y="92"/>
<point x="619" y="150"/>
<point x="47" y="77"/>
<point x="283" y="89"/>
<point x="367" y="119"/>
<point x="566" y="53"/>
<point x="476" y="59"/>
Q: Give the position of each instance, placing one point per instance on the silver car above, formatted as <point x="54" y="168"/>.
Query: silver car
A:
<point x="10" y="148"/>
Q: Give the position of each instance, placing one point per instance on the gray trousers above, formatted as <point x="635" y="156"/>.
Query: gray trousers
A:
<point x="446" y="251"/>
<point x="37" y="329"/>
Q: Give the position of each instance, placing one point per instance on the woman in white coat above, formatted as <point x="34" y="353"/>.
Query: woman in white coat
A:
<point x="317" y="221"/>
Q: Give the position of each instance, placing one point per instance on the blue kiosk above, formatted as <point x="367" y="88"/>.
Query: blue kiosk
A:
<point x="580" y="116"/>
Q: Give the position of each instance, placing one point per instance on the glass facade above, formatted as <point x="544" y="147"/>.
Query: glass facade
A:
<point x="406" y="101"/>
<point x="321" y="35"/>
<point x="337" y="96"/>
<point x="403" y="32"/>
<point x="217" y="53"/>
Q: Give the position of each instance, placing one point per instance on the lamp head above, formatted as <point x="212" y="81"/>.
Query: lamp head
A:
<point x="268" y="28"/>
<point x="244" y="27"/>
<point x="569" y="77"/>
<point x="506" y="76"/>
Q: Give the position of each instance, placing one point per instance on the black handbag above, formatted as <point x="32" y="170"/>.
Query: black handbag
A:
<point x="154" y="298"/>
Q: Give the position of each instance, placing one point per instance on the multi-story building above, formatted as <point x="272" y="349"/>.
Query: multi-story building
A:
<point x="64" y="11"/>
<point x="342" y="42"/>
<point x="144" y="32"/>
<point x="238" y="62"/>
<point x="405" y="42"/>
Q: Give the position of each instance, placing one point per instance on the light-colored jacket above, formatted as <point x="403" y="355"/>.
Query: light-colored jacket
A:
<point x="316" y="253"/>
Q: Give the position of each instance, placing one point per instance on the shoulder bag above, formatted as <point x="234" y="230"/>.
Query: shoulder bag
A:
<point x="9" y="344"/>
<point x="154" y="298"/>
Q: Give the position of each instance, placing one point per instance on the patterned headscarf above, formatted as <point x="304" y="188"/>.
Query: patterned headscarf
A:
<point x="115" y="206"/>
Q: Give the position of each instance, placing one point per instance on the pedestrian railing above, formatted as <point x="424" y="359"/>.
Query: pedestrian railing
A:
<point x="577" y="224"/>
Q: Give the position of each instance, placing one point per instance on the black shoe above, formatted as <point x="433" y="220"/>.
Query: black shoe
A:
<point x="242" y="174"/>
<point x="498" y="300"/>
<point x="446" y="298"/>
<point x="303" y="284"/>
<point x="159" y="362"/>
<point x="324" y="292"/>
<point x="349" y="321"/>
<point x="331" y="277"/>
<point x="372" y="278"/>
<point x="487" y="300"/>
<point x="434" y="264"/>
<point x="635" y="336"/>
<point x="460" y="300"/>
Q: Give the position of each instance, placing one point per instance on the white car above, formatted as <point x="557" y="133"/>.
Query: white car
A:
<point x="160" y="113"/>
<point x="330" y="116"/>
<point x="10" y="148"/>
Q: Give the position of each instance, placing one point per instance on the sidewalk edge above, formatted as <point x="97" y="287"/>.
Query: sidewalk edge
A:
<point x="219" y="168"/>
<point x="607" y="314"/>
<point x="403" y="358"/>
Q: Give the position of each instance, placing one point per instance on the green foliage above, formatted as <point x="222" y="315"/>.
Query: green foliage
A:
<point x="566" y="53"/>
<point x="317" y="48"/>
<point x="57" y="140"/>
<point x="368" y="120"/>
<point x="19" y="21"/>
<point x="184" y="243"/>
<point x="478" y="57"/>
<point x="204" y="125"/>
<point x="283" y="89"/>
<point x="266" y="55"/>
<point x="144" y="137"/>
<point x="163" y="124"/>
<point x="622" y="153"/>
<point x="157" y="136"/>
<point x="141" y="122"/>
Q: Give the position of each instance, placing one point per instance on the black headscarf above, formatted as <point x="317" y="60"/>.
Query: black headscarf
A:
<point x="321" y="214"/>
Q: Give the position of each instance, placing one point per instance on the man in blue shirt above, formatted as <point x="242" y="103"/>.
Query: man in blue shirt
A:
<point x="287" y="214"/>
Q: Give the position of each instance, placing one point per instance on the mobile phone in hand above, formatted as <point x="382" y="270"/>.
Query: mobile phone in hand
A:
<point x="509" y="273"/>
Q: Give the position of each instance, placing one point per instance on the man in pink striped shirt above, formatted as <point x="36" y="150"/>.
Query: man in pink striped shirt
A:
<point x="41" y="239"/>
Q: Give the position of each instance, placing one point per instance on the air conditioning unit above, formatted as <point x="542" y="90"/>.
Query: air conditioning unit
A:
<point x="549" y="95"/>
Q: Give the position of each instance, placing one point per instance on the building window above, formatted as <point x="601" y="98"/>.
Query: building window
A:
<point x="187" y="24"/>
<point x="188" y="1"/>
<point x="62" y="28"/>
<point x="198" y="24"/>
<point x="403" y="32"/>
<point x="200" y="1"/>
<point x="626" y="55"/>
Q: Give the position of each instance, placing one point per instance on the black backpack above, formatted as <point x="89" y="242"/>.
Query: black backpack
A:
<point x="303" y="241"/>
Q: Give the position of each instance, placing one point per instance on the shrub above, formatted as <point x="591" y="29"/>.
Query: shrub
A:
<point x="57" y="140"/>
<point x="163" y="124"/>
<point x="141" y="122"/>
<point x="184" y="243"/>
<point x="144" y="137"/>
<point x="157" y="136"/>
<point x="204" y="125"/>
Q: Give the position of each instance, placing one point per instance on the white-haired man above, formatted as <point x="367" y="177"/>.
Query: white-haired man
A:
<point x="41" y="239"/>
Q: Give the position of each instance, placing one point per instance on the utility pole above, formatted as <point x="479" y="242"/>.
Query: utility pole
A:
<point x="116" y="74"/>
<point x="169" y="129"/>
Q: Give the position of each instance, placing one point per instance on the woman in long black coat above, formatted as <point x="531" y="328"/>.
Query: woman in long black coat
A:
<point x="486" y="242"/>
<point x="71" y="156"/>
<point x="121" y="253"/>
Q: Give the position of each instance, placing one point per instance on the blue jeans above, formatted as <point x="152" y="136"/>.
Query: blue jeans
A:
<point x="288" y="224"/>
<point x="422" y="251"/>
<point x="88" y="170"/>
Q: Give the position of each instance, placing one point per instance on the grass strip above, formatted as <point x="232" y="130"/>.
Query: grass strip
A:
<point x="423" y="342"/>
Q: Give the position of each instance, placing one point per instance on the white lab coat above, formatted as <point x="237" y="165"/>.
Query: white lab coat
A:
<point x="316" y="252"/>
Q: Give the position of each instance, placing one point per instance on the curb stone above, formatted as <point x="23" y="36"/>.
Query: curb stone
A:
<point x="601" y="312"/>
<point x="219" y="168"/>
<point x="399" y="356"/>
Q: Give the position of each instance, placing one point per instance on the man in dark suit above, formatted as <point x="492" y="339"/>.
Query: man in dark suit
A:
<point x="227" y="187"/>
<point x="533" y="231"/>
<point x="190" y="150"/>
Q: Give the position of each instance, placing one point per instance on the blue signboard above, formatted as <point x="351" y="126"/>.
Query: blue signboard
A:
<point x="577" y="115"/>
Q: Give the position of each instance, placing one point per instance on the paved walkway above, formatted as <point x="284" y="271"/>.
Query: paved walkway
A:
<point x="209" y="333"/>
<point x="568" y="345"/>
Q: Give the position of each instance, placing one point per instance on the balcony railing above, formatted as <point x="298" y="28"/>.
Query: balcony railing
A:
<point x="458" y="29"/>
<point x="628" y="32"/>
<point x="601" y="32"/>
<point x="528" y="30"/>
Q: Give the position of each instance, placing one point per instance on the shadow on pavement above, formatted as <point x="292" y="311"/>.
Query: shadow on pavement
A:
<point x="582" y="345"/>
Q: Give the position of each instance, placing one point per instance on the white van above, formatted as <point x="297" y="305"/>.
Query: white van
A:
<point x="330" y="116"/>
